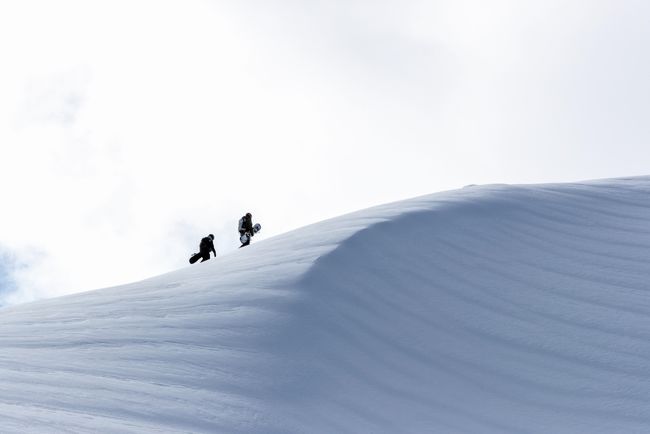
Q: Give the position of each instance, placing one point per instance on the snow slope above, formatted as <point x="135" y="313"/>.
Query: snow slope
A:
<point x="487" y="309"/>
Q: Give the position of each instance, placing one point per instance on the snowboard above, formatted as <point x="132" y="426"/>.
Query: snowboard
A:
<point x="195" y="257"/>
<point x="246" y="237"/>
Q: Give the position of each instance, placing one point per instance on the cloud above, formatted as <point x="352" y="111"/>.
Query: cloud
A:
<point x="129" y="130"/>
<point x="56" y="98"/>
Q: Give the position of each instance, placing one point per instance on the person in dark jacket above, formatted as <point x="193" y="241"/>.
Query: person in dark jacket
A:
<point x="246" y="228"/>
<point x="207" y="246"/>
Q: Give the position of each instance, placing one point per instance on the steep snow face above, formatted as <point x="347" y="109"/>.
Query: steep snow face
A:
<point x="488" y="309"/>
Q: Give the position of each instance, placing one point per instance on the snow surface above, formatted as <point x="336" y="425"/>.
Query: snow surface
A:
<point x="488" y="309"/>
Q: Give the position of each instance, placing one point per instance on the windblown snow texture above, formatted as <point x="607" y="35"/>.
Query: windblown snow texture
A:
<point x="488" y="309"/>
<point x="7" y="283"/>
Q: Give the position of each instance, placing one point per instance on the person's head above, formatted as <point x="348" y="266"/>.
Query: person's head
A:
<point x="249" y="215"/>
<point x="211" y="237"/>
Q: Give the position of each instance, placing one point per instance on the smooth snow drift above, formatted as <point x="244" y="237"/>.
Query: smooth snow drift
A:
<point x="488" y="309"/>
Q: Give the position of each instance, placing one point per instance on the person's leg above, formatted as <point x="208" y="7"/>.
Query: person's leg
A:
<point x="248" y="239"/>
<point x="206" y="256"/>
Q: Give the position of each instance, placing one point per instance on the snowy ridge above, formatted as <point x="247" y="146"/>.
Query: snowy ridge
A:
<point x="487" y="309"/>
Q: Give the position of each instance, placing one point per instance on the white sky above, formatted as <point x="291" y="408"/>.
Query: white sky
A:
<point x="130" y="129"/>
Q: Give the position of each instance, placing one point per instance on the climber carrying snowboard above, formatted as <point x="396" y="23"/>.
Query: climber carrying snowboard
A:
<point x="247" y="229"/>
<point x="205" y="247"/>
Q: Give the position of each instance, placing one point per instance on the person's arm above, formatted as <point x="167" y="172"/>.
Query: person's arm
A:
<point x="214" y="250"/>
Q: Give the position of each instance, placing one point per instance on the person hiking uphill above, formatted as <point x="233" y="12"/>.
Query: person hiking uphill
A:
<point x="205" y="247"/>
<point x="246" y="231"/>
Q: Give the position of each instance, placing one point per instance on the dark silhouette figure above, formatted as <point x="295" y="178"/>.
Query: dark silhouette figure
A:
<point x="205" y="248"/>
